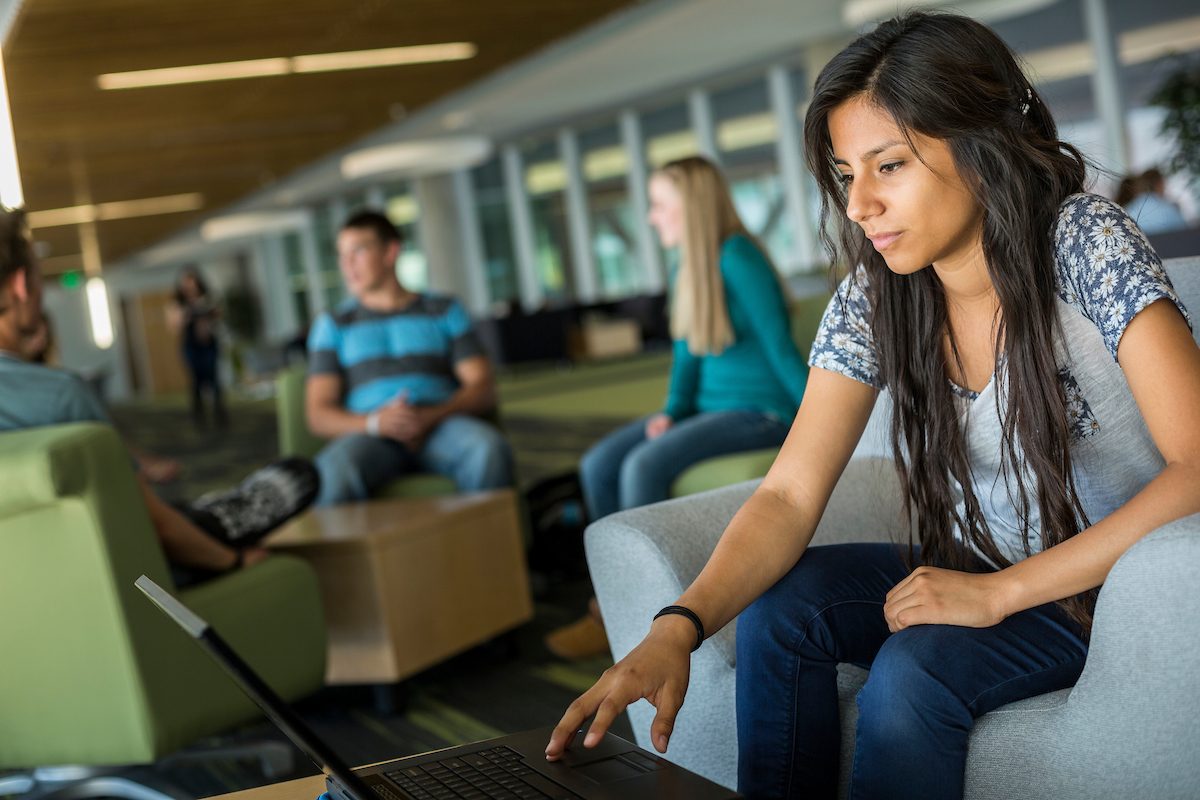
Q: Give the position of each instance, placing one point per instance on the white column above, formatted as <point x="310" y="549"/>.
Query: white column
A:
<point x="275" y="261"/>
<point x="520" y="217"/>
<point x="337" y="212"/>
<point x="631" y="137"/>
<point x="579" y="222"/>
<point x="474" y="261"/>
<point x="375" y="199"/>
<point x="442" y="237"/>
<point x="701" y="115"/>
<point x="1106" y="84"/>
<point x="791" y="166"/>
<point x="312" y="267"/>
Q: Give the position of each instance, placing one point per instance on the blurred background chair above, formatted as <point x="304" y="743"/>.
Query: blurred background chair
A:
<point x="295" y="439"/>
<point x="94" y="676"/>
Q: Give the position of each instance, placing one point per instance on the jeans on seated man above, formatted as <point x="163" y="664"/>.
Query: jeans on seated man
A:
<point x="218" y="532"/>
<point x="397" y="379"/>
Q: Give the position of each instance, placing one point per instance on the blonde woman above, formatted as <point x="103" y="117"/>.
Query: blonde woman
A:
<point x="737" y="376"/>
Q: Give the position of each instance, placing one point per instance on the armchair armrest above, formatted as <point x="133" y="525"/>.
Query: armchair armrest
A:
<point x="1130" y="725"/>
<point x="643" y="559"/>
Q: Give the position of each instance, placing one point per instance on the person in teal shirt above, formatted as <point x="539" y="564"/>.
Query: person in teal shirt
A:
<point x="737" y="376"/>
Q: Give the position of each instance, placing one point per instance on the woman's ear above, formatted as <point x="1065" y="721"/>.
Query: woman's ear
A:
<point x="20" y="284"/>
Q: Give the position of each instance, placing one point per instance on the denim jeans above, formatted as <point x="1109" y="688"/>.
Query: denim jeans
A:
<point x="466" y="449"/>
<point x="927" y="683"/>
<point x="624" y="470"/>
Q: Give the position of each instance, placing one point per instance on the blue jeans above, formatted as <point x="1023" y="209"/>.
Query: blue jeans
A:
<point x="624" y="470"/>
<point x="927" y="684"/>
<point x="466" y="449"/>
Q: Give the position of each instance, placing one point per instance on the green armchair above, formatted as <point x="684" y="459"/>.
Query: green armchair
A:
<point x="295" y="439"/>
<point x="93" y="674"/>
<point x="727" y="470"/>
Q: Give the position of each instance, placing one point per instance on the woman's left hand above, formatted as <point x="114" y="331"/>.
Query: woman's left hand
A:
<point x="933" y="596"/>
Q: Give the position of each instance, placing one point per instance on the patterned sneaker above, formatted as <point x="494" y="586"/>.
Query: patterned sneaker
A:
<point x="241" y="516"/>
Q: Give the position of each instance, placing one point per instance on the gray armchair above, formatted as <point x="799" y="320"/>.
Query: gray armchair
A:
<point x="1130" y="728"/>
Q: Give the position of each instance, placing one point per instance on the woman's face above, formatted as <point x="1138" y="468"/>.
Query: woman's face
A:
<point x="915" y="212"/>
<point x="189" y="286"/>
<point x="666" y="210"/>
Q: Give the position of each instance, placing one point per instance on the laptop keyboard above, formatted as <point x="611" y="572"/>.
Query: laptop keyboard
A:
<point x="493" y="774"/>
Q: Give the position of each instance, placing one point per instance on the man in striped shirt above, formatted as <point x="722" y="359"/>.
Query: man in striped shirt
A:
<point x="397" y="379"/>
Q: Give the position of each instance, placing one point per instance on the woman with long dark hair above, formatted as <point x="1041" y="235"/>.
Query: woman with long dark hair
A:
<point x="1044" y="385"/>
<point x="195" y="317"/>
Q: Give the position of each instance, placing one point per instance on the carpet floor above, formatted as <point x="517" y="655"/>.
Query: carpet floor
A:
<point x="502" y="687"/>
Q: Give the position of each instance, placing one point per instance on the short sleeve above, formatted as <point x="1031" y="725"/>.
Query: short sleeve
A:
<point x="844" y="343"/>
<point x="323" y="342"/>
<point x="1106" y="268"/>
<point x="464" y="342"/>
<point x="80" y="404"/>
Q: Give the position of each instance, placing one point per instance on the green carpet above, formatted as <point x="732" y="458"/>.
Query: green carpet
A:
<point x="551" y="417"/>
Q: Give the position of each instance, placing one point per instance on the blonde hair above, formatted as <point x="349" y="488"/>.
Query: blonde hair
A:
<point x="699" y="311"/>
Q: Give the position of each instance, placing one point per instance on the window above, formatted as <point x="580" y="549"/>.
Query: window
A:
<point x="614" y="234"/>
<point x="499" y="258"/>
<point x="545" y="181"/>
<point x="297" y="278"/>
<point x="401" y="207"/>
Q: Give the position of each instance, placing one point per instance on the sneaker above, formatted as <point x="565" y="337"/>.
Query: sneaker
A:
<point x="581" y="639"/>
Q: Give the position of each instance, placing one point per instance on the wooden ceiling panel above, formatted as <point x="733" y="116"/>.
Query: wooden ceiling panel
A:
<point x="226" y="139"/>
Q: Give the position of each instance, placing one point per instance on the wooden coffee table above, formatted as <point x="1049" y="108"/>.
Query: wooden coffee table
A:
<point x="409" y="583"/>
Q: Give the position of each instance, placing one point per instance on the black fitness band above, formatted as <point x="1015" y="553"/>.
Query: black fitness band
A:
<point x="686" y="612"/>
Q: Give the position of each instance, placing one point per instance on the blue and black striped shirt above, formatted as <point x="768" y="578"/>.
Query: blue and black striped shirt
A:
<point x="380" y="355"/>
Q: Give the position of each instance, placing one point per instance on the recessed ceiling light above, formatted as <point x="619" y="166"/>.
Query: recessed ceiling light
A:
<point x="122" y="209"/>
<point x="321" y="62"/>
<point x="418" y="157"/>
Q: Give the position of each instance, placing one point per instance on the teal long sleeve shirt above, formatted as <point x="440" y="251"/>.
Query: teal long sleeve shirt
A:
<point x="763" y="369"/>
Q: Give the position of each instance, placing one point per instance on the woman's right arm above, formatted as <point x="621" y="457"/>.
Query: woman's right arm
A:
<point x="763" y="541"/>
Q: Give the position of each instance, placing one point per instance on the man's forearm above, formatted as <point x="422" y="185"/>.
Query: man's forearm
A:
<point x="470" y="399"/>
<point x="332" y="422"/>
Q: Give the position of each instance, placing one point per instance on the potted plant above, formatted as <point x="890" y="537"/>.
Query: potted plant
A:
<point x="1180" y="96"/>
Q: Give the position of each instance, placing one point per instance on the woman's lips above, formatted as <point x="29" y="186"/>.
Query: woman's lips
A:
<point x="883" y="240"/>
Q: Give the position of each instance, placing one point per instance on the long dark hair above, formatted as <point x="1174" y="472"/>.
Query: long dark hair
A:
<point x="201" y="287"/>
<point x="952" y="78"/>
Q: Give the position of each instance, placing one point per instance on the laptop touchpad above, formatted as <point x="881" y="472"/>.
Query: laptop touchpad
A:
<point x="609" y="770"/>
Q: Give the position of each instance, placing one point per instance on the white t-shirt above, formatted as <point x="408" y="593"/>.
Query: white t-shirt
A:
<point x="1107" y="273"/>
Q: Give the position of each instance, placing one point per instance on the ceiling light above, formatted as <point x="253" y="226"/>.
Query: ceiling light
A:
<point x="10" y="173"/>
<point x="860" y="12"/>
<point x="230" y="70"/>
<point x="97" y="299"/>
<point x="387" y="57"/>
<point x="121" y="209"/>
<point x="1133" y="47"/>
<point x="420" y="157"/>
<point x="255" y="223"/>
<point x="322" y="62"/>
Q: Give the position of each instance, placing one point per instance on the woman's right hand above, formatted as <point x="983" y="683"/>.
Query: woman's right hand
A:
<point x="657" y="425"/>
<point x="657" y="670"/>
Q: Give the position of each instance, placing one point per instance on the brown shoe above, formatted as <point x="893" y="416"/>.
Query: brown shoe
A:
<point x="581" y="639"/>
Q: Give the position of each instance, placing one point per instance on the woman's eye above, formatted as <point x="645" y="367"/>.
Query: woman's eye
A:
<point x="845" y="179"/>
<point x="888" y="169"/>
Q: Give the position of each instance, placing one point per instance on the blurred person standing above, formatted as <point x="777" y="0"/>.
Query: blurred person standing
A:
<point x="1150" y="207"/>
<point x="194" y="316"/>
<point x="398" y="379"/>
<point x="737" y="376"/>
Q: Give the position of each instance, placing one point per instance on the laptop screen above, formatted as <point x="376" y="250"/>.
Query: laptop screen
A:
<point x="257" y="690"/>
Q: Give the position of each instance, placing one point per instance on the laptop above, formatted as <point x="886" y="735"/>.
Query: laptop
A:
<point x="507" y="768"/>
